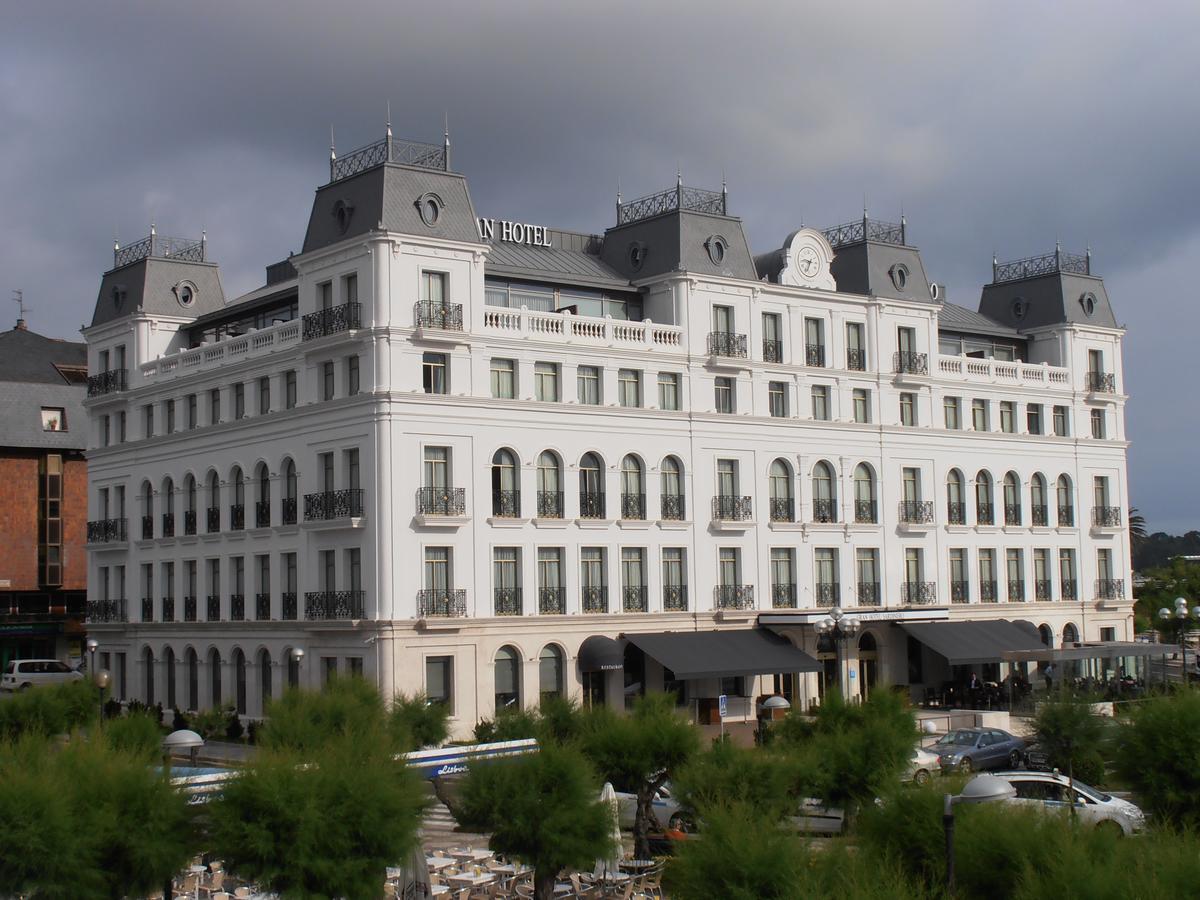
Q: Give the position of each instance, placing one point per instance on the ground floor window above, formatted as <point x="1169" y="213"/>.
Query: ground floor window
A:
<point x="439" y="680"/>
<point x="594" y="693"/>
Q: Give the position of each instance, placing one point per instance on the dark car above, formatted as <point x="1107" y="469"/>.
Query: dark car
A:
<point x="970" y="749"/>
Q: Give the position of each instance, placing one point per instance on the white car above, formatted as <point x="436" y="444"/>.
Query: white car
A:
<point x="663" y="807"/>
<point x="20" y="674"/>
<point x="1052" y="790"/>
<point x="923" y="766"/>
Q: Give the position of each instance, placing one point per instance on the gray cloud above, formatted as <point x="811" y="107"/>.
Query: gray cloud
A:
<point x="995" y="126"/>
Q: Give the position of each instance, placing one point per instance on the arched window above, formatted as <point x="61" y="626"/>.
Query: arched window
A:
<point x="1037" y="500"/>
<point x="147" y="510"/>
<point x="779" y="487"/>
<point x="239" y="680"/>
<point x="262" y="506"/>
<point x="193" y="677"/>
<point x="237" y="503"/>
<point x="189" y="504"/>
<point x="168" y="507"/>
<point x="864" y="494"/>
<point x="148" y="670"/>
<point x="956" y="502"/>
<point x="1012" y="499"/>
<point x="550" y="672"/>
<point x="265" y="687"/>
<point x="985" y="513"/>
<point x="549" y="486"/>
<point x="1066" y="502"/>
<point x="169" y="666"/>
<point x="591" y="487"/>
<point x="290" y="488"/>
<point x="506" y="490"/>
<point x="633" y="489"/>
<point x="1070" y="634"/>
<point x="824" y="493"/>
<point x="1046" y="634"/>
<point x="672" y="502"/>
<point x="214" y="674"/>
<point x="508" y="679"/>
<point x="213" y="512"/>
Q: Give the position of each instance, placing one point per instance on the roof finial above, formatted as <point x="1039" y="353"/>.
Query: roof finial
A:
<point x="618" y="190"/>
<point x="678" y="175"/>
<point x="389" y="118"/>
<point x="153" y="230"/>
<point x="446" y="138"/>
<point x="724" y="193"/>
<point x="332" y="148"/>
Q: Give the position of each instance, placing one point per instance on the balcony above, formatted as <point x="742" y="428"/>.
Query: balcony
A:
<point x="856" y="360"/>
<point x="1012" y="514"/>
<point x="262" y="514"/>
<point x="262" y="607"/>
<point x="1106" y="516"/>
<point x="675" y="597"/>
<point x="988" y="592"/>
<point x="107" y="531"/>
<point x="824" y="511"/>
<point x="287" y="511"/>
<point x="326" y="505"/>
<point x="783" y="596"/>
<point x="1042" y="590"/>
<point x="734" y="596"/>
<point x="106" y="611"/>
<point x="907" y="362"/>
<point x="1039" y="516"/>
<point x="635" y="599"/>
<point x="506" y="504"/>
<point x="326" y="605"/>
<point x="550" y="504"/>
<point x="334" y="320"/>
<point x="436" y="501"/>
<point x="828" y="593"/>
<point x="189" y="609"/>
<point x="552" y="601"/>
<point x="168" y="609"/>
<point x="673" y="507"/>
<point x="865" y="512"/>
<point x="111" y="382"/>
<point x="956" y="513"/>
<point x="147" y="527"/>
<point x="783" y="509"/>
<point x="168" y="524"/>
<point x="1068" y="589"/>
<point x="147" y="609"/>
<point x="1016" y="591"/>
<point x="985" y="514"/>
<point x="814" y="355"/>
<point x="1110" y="588"/>
<point x="727" y="344"/>
<point x="508" y="601"/>
<point x="212" y="612"/>
<point x="730" y="508"/>
<point x="189" y="522"/>
<point x="594" y="598"/>
<point x="441" y="603"/>
<point x="868" y="593"/>
<point x="633" y="507"/>
<point x="772" y="351"/>
<point x="960" y="592"/>
<point x="212" y="519"/>
<point x="237" y="517"/>
<point x="237" y="607"/>
<point x="288" y="606"/>
<point x="1066" y="517"/>
<point x="442" y="316"/>
<point x="916" y="512"/>
<point x="591" y="505"/>
<point x="918" y="593"/>
<point x="1101" y="382"/>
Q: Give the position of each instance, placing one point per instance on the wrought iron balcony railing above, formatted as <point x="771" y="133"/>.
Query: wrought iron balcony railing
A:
<point x="212" y="611"/>
<point x="262" y="607"/>
<point x="439" y="501"/>
<point x="1110" y="588"/>
<point x="1042" y="590"/>
<point x="552" y="601"/>
<point x="111" y="382"/>
<point x="1039" y="516"/>
<point x="783" y="509"/>
<point x="824" y="511"/>
<point x="865" y="230"/>
<point x="147" y="609"/>
<point x="916" y="512"/>
<point x="594" y="598"/>
<point x="262" y="514"/>
<point x="322" y="605"/>
<point x="189" y="609"/>
<point x="988" y="592"/>
<point x="675" y="597"/>
<point x="907" y="362"/>
<point x="287" y="511"/>
<point x="147" y="527"/>
<point x="189" y="521"/>
<point x="106" y="611"/>
<point x="731" y="508"/>
<point x="168" y="609"/>
<point x="345" y="317"/>
<point x="1012" y="513"/>
<point x="868" y="593"/>
<point x="1068" y="589"/>
<point x="673" y="507"/>
<point x="634" y="598"/>
<point x="772" y="351"/>
<point x="783" y="596"/>
<point x="237" y="517"/>
<point x="506" y="504"/>
<point x="918" y="592"/>
<point x="1047" y="264"/>
<point x="508" y="601"/>
<point x="107" y="531"/>
<point x="1106" y="516"/>
<point x="168" y="524"/>
<point x="679" y="197"/>
<point x="726" y="343"/>
<point x="393" y="150"/>
<point x="591" y="505"/>
<point x="237" y="607"/>
<point x="288" y="606"/>
<point x="444" y="316"/>
<point x="865" y="512"/>
<point x="985" y="514"/>
<point x="1102" y="382"/>
<point x="956" y="513"/>
<point x="550" y="504"/>
<point x="734" y="596"/>
<point x="828" y="593"/>
<point x="1016" y="591"/>
<point x="856" y="360"/>
<point x="212" y="519"/>
<point x="441" y="603"/>
<point x="960" y="592"/>
<point x="633" y="506"/>
<point x="814" y="355"/>
<point x="326" y="505"/>
<point x="159" y="245"/>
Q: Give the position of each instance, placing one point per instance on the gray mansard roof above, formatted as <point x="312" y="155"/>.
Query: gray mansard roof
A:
<point x="1056" y="298"/>
<point x="574" y="258"/>
<point x="31" y="380"/>
<point x="952" y="317"/>
<point x="149" y="285"/>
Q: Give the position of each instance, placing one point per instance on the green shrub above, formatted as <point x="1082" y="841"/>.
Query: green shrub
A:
<point x="1158" y="755"/>
<point x="417" y="723"/>
<point x="728" y="775"/>
<point x="212" y="724"/>
<point x="137" y="735"/>
<point x="304" y="720"/>
<point x="49" y="710"/>
<point x="1070" y="736"/>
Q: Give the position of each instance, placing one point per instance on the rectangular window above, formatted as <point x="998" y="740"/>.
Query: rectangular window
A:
<point x="289" y="389"/>
<point x="866" y="562"/>
<point x="1066" y="574"/>
<point x="105" y="431"/>
<point x="629" y="388"/>
<point x="783" y="578"/>
<point x="325" y="467"/>
<point x="329" y="669"/>
<point x="729" y="566"/>
<point x="588" y="386"/>
<point x="593" y="580"/>
<point x="825" y="561"/>
<point x="350" y="288"/>
<point x="668" y="390"/>
<point x="1100" y="492"/>
<point x="1033" y="418"/>
<point x="959" y="590"/>
<point x="121" y="427"/>
<point x="820" y="402"/>
<point x="987" y="575"/>
<point x="327" y="381"/>
<point x="439" y="681"/>
<point x="908" y="408"/>
<point x="1015" y="570"/>
<point x="856" y="348"/>
<point x="433" y="373"/>
<point x="436" y="467"/>
<point x="434" y="287"/>
<point x="437" y="570"/>
<point x="777" y="399"/>
<point x="814" y="342"/>
<point x="264" y="395"/>
<point x="772" y="338"/>
<point x="504" y="379"/>
<point x="353" y="386"/>
<point x="1095" y="361"/>
<point x="170" y="423"/>
<point x="910" y="479"/>
<point x="906" y="339"/>
<point x="148" y="420"/>
<point x="353" y="470"/>
<point x="727" y="477"/>
<point x="545" y="382"/>
<point x="1061" y="422"/>
<point x="50" y="525"/>
<point x="1041" y="574"/>
<point x="914" y="566"/>
<point x="723" y="319"/>
<point x="979" y="415"/>
<point x="354" y="666"/>
<point x="506" y="581"/>
<point x="1104" y="565"/>
<point x="862" y="405"/>
<point x="674" y="578"/>
<point x="325" y="295"/>
<point x="193" y="417"/>
<point x="633" y="580"/>
<point x="1008" y="416"/>
<point x="1098" y="429"/>
<point x="239" y="401"/>
<point x="723" y="399"/>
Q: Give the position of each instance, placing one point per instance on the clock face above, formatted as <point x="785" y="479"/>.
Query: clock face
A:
<point x="807" y="261"/>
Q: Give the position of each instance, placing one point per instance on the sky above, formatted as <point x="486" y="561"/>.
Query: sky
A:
<point x="995" y="127"/>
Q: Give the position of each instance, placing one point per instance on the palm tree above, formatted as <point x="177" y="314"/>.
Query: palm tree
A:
<point x="1137" y="526"/>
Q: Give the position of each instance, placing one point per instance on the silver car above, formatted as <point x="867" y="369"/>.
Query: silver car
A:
<point x="1052" y="791"/>
<point x="21" y="674"/>
<point x="972" y="749"/>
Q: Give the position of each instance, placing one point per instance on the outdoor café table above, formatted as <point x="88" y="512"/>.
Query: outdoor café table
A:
<point x="468" y="880"/>
<point x="509" y="869"/>
<point x="638" y="865"/>
<point x="437" y="863"/>
<point x="470" y="854"/>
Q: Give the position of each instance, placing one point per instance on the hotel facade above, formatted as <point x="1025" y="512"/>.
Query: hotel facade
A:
<point x="487" y="460"/>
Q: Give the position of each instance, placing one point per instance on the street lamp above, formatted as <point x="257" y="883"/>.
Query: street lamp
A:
<point x="838" y="627"/>
<point x="298" y="656"/>
<point x="183" y="739"/>
<point x="980" y="789"/>
<point x="92" y="645"/>
<point x="1180" y="618"/>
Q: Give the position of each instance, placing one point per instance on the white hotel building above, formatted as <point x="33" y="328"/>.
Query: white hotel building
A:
<point x="485" y="460"/>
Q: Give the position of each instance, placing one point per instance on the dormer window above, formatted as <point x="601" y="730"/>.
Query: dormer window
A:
<point x="1019" y="308"/>
<point x="637" y="255"/>
<point x="899" y="275"/>
<point x="185" y="293"/>
<point x="430" y="205"/>
<point x="118" y="295"/>
<point x="342" y="212"/>
<point x="716" y="248"/>
<point x="1088" y="302"/>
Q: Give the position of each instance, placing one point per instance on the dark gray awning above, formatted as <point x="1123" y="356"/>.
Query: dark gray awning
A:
<point x="713" y="654"/>
<point x="987" y="640"/>
<point x="599" y="654"/>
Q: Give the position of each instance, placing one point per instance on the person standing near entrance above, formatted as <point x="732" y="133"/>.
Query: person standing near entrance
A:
<point x="1049" y="676"/>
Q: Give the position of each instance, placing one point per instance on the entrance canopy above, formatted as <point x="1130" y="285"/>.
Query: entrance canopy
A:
<point x="691" y="655"/>
<point x="964" y="643"/>
<point x="600" y="654"/>
<point x="1095" y="650"/>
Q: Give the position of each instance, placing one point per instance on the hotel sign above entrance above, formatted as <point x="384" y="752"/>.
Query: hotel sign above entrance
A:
<point x="514" y="232"/>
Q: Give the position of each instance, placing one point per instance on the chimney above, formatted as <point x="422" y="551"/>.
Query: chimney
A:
<point x="21" y="326"/>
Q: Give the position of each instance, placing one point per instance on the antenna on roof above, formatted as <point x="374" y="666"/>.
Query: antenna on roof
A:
<point x="19" y="299"/>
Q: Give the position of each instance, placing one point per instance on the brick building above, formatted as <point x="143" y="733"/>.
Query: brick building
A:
<point x="43" y="496"/>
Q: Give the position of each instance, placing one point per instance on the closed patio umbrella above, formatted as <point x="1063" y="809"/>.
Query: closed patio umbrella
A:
<point x="606" y="868"/>
<point x="413" y="883"/>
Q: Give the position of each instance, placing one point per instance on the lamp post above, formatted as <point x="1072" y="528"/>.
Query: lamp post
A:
<point x="92" y="645"/>
<point x="1180" y="617"/>
<point x="298" y="656"/>
<point x="980" y="789"/>
<point x="183" y="739"/>
<point x="838" y="627"/>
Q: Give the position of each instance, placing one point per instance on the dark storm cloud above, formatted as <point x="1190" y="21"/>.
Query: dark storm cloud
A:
<point x="998" y="127"/>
